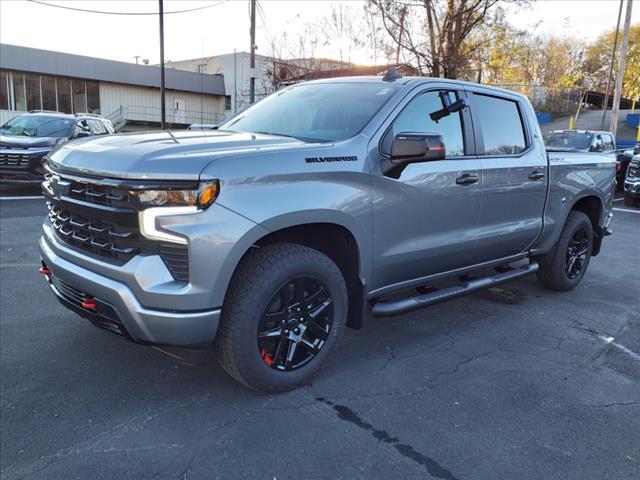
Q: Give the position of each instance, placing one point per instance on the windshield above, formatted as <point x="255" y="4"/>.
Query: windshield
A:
<point x="37" y="126"/>
<point x="568" y="140"/>
<point x="326" y="112"/>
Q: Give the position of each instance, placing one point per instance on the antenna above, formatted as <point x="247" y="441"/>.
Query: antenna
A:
<point x="391" y="76"/>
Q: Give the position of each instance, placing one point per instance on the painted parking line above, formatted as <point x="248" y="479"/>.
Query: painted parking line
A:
<point x="34" y="197"/>
<point x="626" y="210"/>
<point x="611" y="341"/>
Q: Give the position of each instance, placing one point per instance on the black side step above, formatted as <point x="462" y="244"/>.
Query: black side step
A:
<point x="387" y="308"/>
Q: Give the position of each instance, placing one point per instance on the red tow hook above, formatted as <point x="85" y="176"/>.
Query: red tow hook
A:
<point x="89" y="304"/>
<point x="44" y="271"/>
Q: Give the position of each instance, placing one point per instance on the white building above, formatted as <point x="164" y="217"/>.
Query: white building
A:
<point x="270" y="73"/>
<point x="126" y="93"/>
<point x="234" y="67"/>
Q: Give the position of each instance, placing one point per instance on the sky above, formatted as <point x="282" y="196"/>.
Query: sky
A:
<point x="225" y="26"/>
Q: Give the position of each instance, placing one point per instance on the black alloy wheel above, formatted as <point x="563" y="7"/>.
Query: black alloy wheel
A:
<point x="296" y="323"/>
<point x="576" y="255"/>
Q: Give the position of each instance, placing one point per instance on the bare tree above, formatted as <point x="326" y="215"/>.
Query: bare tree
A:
<point x="435" y="36"/>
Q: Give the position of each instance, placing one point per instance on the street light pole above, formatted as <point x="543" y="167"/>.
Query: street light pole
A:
<point x="162" y="104"/>
<point x="617" y="93"/>
<point x="252" y="57"/>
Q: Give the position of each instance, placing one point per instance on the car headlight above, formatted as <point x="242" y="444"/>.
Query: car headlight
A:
<point x="161" y="203"/>
<point x="200" y="198"/>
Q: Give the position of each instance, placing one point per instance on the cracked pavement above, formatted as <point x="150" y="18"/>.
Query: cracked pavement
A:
<point x="514" y="382"/>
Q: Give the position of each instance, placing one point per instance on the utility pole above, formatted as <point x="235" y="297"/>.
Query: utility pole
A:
<point x="252" y="57"/>
<point x="621" y="67"/>
<point x="162" y="104"/>
<point x="605" y="105"/>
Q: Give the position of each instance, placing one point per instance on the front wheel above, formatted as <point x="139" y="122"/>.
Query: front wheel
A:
<point x="285" y="310"/>
<point x="563" y="267"/>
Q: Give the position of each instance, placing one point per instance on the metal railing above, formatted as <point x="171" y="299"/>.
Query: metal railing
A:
<point x="151" y="115"/>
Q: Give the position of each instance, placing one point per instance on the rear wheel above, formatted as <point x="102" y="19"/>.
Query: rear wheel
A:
<point x="563" y="267"/>
<point x="285" y="309"/>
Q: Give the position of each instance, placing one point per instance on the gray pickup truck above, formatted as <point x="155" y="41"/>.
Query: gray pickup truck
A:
<point x="324" y="204"/>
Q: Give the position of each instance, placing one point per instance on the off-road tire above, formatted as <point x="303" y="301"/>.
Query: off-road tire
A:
<point x="256" y="279"/>
<point x="552" y="273"/>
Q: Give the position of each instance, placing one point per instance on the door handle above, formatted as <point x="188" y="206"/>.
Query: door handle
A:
<point x="536" y="176"/>
<point x="467" y="179"/>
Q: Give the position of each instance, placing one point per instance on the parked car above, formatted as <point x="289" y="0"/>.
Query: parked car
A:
<point x="589" y="141"/>
<point x="624" y="157"/>
<point x="27" y="138"/>
<point x="632" y="183"/>
<point x="325" y="202"/>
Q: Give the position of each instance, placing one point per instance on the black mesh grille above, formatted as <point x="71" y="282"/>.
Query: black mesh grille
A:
<point x="90" y="232"/>
<point x="176" y="258"/>
<point x="14" y="160"/>
<point x="99" y="220"/>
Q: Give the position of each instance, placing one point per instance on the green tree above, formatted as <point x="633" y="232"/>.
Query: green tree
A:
<point x="598" y="57"/>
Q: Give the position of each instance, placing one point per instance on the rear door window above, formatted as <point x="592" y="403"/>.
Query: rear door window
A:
<point x="501" y="125"/>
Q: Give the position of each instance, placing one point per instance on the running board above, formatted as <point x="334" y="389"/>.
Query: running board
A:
<point x="387" y="308"/>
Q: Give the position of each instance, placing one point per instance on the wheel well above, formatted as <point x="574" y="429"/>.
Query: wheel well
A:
<point x="337" y="243"/>
<point x="592" y="208"/>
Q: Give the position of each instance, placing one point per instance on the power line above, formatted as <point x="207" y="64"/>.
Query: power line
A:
<point x="264" y="23"/>
<point x="104" y="12"/>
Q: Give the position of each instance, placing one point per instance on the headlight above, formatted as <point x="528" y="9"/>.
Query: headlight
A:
<point x="160" y="203"/>
<point x="200" y="198"/>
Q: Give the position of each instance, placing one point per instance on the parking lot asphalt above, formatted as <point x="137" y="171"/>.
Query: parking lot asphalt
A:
<point x="517" y="382"/>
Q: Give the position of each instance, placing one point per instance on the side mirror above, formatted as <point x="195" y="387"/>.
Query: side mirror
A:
<point x="417" y="147"/>
<point x="596" y="148"/>
<point x="82" y="134"/>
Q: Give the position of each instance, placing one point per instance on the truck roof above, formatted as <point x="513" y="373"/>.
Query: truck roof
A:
<point x="409" y="80"/>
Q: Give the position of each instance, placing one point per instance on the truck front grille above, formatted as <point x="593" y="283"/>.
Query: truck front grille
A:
<point x="15" y="160"/>
<point x="634" y="170"/>
<point x="92" y="233"/>
<point x="99" y="220"/>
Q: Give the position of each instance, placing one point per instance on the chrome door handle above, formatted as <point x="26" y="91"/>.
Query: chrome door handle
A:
<point x="536" y="176"/>
<point x="467" y="179"/>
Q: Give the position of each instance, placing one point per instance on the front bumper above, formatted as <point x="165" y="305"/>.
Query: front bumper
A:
<point x="632" y="188"/>
<point x="118" y="310"/>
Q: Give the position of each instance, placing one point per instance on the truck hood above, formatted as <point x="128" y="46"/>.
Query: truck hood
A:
<point x="168" y="155"/>
<point x="26" y="142"/>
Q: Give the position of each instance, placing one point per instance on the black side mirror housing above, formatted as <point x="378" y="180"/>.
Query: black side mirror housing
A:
<point x="411" y="147"/>
<point x="82" y="134"/>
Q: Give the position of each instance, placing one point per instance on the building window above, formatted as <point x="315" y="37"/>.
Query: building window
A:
<point x="18" y="92"/>
<point x="79" y="96"/>
<point x="93" y="97"/>
<point x="48" y="85"/>
<point x="32" y="86"/>
<point x="227" y="102"/>
<point x="64" y="95"/>
<point x="203" y="67"/>
<point x="4" y="91"/>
